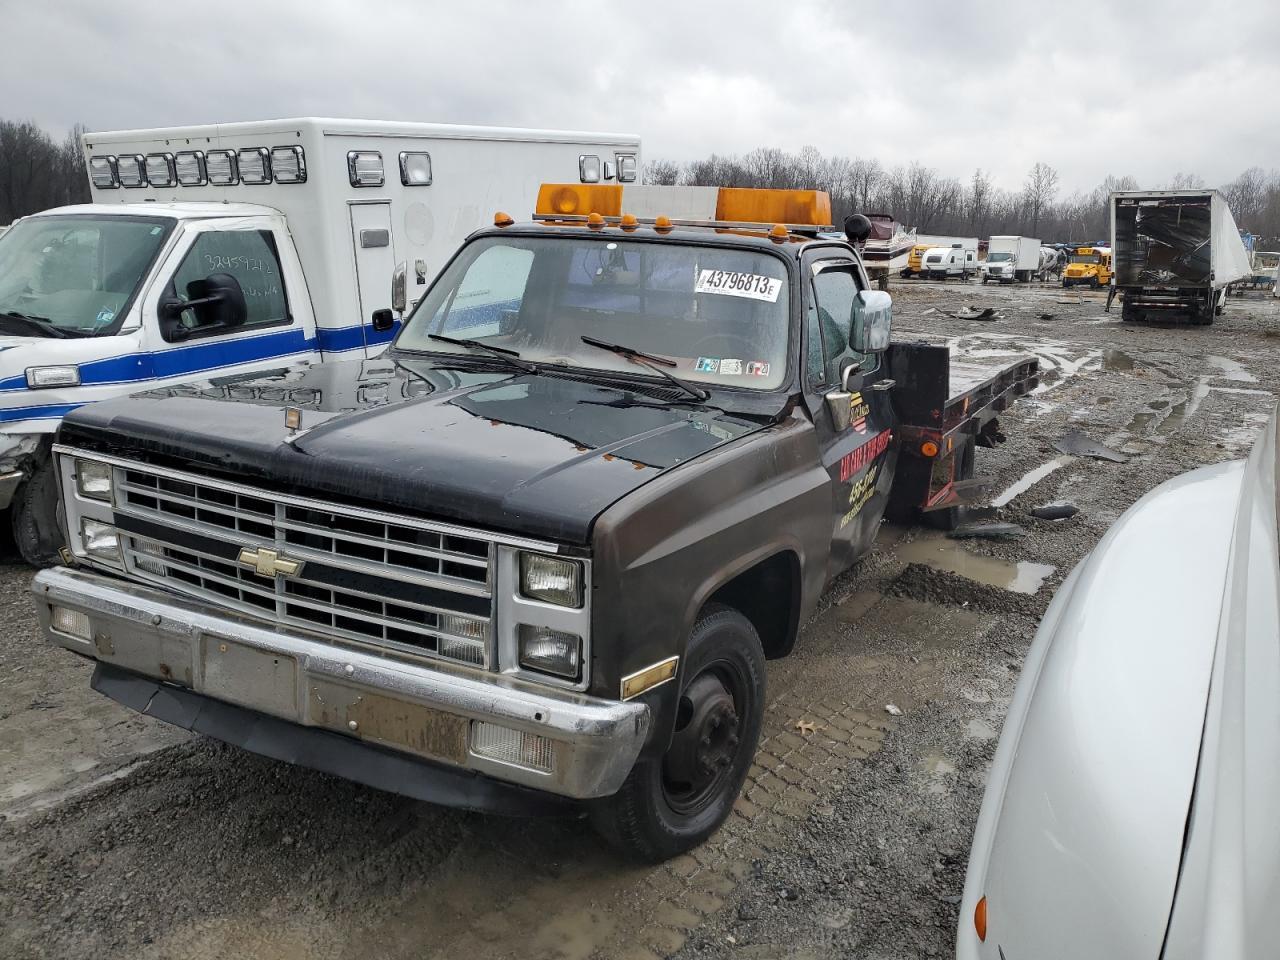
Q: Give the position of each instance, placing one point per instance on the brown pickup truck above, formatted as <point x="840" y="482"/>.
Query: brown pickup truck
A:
<point x="537" y="554"/>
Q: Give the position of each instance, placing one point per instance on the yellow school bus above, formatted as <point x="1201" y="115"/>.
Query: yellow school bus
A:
<point x="914" y="259"/>
<point x="1090" y="266"/>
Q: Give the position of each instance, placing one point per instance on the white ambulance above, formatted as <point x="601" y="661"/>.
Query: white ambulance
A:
<point x="214" y="251"/>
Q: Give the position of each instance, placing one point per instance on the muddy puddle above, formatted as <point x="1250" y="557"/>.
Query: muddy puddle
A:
<point x="1117" y="361"/>
<point x="951" y="557"/>
<point x="1029" y="480"/>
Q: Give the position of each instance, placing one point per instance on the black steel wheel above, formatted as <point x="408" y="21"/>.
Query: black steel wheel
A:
<point x="672" y="803"/>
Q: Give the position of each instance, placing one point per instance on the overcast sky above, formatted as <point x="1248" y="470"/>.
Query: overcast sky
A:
<point x="1147" y="89"/>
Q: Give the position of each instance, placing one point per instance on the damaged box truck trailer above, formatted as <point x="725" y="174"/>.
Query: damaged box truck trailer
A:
<point x="1174" y="253"/>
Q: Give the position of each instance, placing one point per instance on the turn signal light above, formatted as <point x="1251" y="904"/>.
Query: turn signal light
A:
<point x="929" y="449"/>
<point x="980" y="919"/>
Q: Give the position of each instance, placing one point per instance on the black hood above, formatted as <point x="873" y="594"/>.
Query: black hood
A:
<point x="538" y="455"/>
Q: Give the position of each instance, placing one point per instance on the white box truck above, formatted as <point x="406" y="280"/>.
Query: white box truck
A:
<point x="215" y="251"/>
<point x="1174" y="252"/>
<point x="1011" y="258"/>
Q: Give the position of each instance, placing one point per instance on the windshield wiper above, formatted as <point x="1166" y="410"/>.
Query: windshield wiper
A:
<point x="653" y="362"/>
<point x="44" y="325"/>
<point x="510" y="356"/>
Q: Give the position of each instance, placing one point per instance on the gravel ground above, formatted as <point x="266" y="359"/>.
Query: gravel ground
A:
<point x="124" y="838"/>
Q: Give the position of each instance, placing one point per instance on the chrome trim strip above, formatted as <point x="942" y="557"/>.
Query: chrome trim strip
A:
<point x="376" y="516"/>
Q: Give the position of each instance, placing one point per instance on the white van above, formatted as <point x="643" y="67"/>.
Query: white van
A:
<point x="939" y="263"/>
<point x="215" y="251"/>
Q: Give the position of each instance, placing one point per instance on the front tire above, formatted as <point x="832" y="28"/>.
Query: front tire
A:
<point x="672" y="803"/>
<point x="34" y="516"/>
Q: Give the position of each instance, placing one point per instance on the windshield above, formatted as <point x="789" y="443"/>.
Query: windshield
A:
<point x="720" y="314"/>
<point x="999" y="257"/>
<point x="77" y="273"/>
<point x="1086" y="258"/>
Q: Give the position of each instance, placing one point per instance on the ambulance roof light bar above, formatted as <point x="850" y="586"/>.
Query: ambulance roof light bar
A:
<point x="801" y="211"/>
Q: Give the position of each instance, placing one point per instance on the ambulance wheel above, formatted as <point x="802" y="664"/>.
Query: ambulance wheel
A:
<point x="670" y="804"/>
<point x="34" y="515"/>
<point x="952" y="517"/>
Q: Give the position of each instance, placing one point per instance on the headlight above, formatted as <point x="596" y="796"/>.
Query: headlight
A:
<point x="39" y="378"/>
<point x="101" y="540"/>
<point x="93" y="479"/>
<point x="551" y="579"/>
<point x="550" y="651"/>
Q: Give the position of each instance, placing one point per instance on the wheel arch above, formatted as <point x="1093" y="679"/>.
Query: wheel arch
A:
<point x="754" y="589"/>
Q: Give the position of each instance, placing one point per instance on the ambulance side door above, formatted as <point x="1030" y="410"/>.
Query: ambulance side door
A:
<point x="277" y="327"/>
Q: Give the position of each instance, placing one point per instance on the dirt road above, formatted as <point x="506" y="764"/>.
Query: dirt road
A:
<point x="123" y="838"/>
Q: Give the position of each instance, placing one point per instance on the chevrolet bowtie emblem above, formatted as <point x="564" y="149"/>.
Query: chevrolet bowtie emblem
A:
<point x="268" y="563"/>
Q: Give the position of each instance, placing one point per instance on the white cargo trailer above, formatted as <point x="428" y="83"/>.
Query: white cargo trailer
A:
<point x="1011" y="258"/>
<point x="1174" y="253"/>
<point x="954" y="260"/>
<point x="219" y="250"/>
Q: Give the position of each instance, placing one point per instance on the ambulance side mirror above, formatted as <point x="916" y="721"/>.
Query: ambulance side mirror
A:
<point x="399" y="294"/>
<point x="217" y="301"/>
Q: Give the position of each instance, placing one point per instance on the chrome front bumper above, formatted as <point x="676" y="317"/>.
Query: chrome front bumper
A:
<point x="426" y="712"/>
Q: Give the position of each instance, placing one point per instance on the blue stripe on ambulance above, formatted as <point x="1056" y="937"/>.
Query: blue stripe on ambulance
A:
<point x="54" y="411"/>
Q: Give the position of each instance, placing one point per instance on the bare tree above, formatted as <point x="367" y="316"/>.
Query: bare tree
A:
<point x="979" y="201"/>
<point x="1042" y="186"/>
<point x="663" y="173"/>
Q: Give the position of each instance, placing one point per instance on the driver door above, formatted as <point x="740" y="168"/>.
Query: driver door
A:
<point x="277" y="329"/>
<point x="858" y="456"/>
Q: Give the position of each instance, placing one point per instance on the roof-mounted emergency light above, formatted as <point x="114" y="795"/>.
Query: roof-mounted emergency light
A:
<point x="628" y="168"/>
<point x="102" y="171"/>
<point x="254" y="164"/>
<point x="189" y="166"/>
<point x="131" y="170"/>
<point x="745" y="205"/>
<point x="289" y="164"/>
<point x="803" y="211"/>
<point x="579" y="200"/>
<point x="160" y="170"/>
<point x="589" y="168"/>
<point x="221" y="168"/>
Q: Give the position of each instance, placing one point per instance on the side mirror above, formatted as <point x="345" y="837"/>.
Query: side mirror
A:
<point x="871" y="322"/>
<point x="840" y="402"/>
<point x="399" y="296"/>
<point x="218" y="302"/>
<point x="383" y="320"/>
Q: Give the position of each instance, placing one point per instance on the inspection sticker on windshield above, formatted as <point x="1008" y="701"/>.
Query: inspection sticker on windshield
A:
<point x="733" y="284"/>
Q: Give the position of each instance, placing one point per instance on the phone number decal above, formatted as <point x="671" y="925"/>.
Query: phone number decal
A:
<point x="733" y="284"/>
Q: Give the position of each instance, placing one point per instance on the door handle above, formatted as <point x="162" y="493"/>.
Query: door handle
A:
<point x="880" y="386"/>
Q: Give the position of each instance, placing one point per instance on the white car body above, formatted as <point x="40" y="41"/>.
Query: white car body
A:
<point x="1132" y="806"/>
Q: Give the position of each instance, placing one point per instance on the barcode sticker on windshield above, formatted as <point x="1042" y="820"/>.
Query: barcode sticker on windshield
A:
<point x="732" y="284"/>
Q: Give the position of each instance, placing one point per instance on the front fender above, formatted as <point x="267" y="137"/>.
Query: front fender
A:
<point x="662" y="551"/>
<point x="1078" y="844"/>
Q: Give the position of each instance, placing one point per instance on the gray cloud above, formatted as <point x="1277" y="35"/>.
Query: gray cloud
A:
<point x="1147" y="89"/>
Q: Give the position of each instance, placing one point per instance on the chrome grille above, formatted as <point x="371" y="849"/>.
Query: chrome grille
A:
<point x="392" y="583"/>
